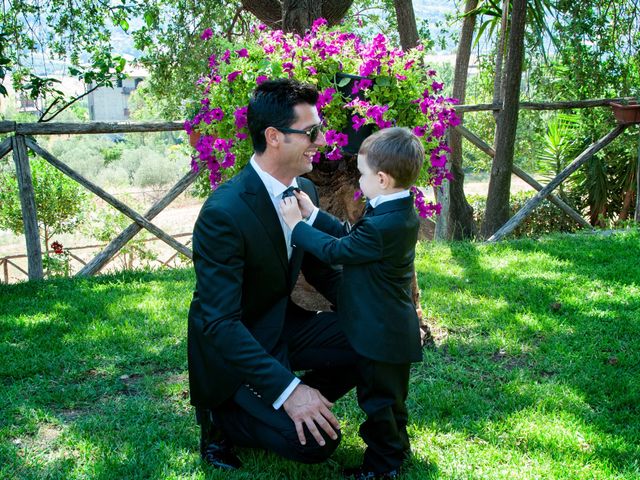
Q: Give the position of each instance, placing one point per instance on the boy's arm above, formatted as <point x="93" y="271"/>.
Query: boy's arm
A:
<point x="323" y="220"/>
<point x="362" y="245"/>
<point x="327" y="223"/>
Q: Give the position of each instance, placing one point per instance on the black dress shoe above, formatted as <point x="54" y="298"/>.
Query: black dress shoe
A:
<point x="220" y="455"/>
<point x="215" y="449"/>
<point x="362" y="473"/>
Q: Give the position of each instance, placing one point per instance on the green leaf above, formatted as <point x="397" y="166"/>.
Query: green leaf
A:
<point x="149" y="18"/>
<point x="124" y="25"/>
<point x="344" y="82"/>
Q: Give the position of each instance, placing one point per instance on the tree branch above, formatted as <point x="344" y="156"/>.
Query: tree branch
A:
<point x="42" y="119"/>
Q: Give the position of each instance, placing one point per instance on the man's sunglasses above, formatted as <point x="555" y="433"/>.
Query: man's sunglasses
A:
<point x="312" y="132"/>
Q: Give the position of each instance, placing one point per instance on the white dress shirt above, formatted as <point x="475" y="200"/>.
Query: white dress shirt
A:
<point x="275" y="188"/>
<point x="374" y="202"/>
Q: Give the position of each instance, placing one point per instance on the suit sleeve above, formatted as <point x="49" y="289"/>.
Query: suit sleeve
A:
<point x="327" y="223"/>
<point x="363" y="245"/>
<point x="218" y="255"/>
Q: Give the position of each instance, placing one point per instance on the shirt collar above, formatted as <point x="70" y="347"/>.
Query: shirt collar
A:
<point x="273" y="186"/>
<point x="374" y="202"/>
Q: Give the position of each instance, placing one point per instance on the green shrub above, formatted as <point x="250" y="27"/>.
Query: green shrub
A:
<point x="546" y="218"/>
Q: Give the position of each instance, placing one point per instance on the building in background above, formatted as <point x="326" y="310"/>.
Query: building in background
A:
<point x="111" y="104"/>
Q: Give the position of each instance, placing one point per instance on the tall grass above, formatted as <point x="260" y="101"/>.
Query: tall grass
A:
<point x="535" y="372"/>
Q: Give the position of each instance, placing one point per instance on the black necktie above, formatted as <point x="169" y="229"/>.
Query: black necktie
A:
<point x="368" y="209"/>
<point x="289" y="192"/>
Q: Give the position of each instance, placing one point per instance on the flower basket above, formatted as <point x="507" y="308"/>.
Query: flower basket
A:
<point x="345" y="81"/>
<point x="194" y="136"/>
<point x="626" y="114"/>
<point x="363" y="85"/>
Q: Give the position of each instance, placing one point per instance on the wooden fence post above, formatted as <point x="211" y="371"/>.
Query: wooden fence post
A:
<point x="638" y="182"/>
<point x="28" y="205"/>
<point x="528" y="207"/>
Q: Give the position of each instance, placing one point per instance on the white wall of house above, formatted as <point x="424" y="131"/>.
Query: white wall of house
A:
<point x="112" y="104"/>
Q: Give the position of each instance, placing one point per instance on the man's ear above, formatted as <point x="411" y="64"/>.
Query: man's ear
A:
<point x="272" y="136"/>
<point x="385" y="180"/>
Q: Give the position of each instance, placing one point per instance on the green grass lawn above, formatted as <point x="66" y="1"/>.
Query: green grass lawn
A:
<point x="535" y="372"/>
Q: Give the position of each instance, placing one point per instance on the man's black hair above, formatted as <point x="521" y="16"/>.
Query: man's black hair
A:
<point x="271" y="105"/>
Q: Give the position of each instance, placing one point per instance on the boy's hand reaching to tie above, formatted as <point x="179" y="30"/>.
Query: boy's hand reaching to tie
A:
<point x="290" y="211"/>
<point x="305" y="203"/>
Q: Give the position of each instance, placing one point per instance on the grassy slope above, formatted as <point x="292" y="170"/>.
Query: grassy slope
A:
<point x="536" y="372"/>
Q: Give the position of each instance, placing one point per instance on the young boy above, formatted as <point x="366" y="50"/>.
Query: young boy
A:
<point x="375" y="307"/>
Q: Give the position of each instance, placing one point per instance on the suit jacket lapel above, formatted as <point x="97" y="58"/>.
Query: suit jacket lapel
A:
<point x="257" y="197"/>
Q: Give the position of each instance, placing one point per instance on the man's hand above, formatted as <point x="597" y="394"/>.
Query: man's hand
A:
<point x="305" y="203"/>
<point x="290" y="211"/>
<point x="307" y="406"/>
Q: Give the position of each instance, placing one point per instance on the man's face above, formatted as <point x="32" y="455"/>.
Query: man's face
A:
<point x="297" y="149"/>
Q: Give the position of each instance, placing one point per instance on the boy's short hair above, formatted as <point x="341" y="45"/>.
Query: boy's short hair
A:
<point x="395" y="151"/>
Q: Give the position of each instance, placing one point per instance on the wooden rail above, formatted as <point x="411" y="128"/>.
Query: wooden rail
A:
<point x="7" y="261"/>
<point x="19" y="143"/>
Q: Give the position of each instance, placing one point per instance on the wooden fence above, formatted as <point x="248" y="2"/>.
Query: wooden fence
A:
<point x="22" y="139"/>
<point x="14" y="261"/>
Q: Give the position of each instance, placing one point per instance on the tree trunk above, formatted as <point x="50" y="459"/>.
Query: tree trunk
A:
<point x="298" y="15"/>
<point x="407" y="27"/>
<point x="461" y="224"/>
<point x="272" y="12"/>
<point x="498" y="79"/>
<point x="497" y="210"/>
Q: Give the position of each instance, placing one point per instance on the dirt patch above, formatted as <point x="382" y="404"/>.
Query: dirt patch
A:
<point x="508" y="361"/>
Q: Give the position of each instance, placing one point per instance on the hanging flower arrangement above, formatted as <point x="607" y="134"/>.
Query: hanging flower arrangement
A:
<point x="362" y="85"/>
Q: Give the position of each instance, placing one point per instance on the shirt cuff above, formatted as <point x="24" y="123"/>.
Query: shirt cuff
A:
<point x="312" y="217"/>
<point x="287" y="392"/>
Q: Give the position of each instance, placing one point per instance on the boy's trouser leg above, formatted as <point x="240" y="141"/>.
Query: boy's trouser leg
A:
<point x="382" y="392"/>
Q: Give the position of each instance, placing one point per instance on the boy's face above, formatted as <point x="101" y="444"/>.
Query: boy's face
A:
<point x="371" y="183"/>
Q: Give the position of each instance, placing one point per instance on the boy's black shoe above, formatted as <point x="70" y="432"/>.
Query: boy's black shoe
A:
<point x="215" y="450"/>
<point x="361" y="473"/>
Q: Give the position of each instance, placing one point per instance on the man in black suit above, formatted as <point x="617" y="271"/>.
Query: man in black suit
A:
<point x="245" y="335"/>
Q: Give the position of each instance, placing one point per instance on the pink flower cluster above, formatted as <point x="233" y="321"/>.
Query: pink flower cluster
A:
<point x="381" y="96"/>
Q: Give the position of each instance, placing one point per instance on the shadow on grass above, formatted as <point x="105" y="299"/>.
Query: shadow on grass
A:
<point x="101" y="364"/>
<point x="540" y="356"/>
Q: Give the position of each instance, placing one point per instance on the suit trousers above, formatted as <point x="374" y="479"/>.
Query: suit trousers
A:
<point x="311" y="342"/>
<point x="382" y="392"/>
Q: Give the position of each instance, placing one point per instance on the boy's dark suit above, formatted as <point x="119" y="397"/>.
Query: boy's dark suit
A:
<point x="245" y="336"/>
<point x="376" y="313"/>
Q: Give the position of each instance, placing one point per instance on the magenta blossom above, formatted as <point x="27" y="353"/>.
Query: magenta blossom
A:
<point x="226" y="56"/>
<point x="261" y="79"/>
<point x="240" y="117"/>
<point x="334" y="154"/>
<point x="357" y="122"/>
<point x="206" y="34"/>
<point x="357" y="194"/>
<point x="325" y="98"/>
<point x="336" y="138"/>
<point x="233" y="75"/>
<point x="243" y="53"/>
<point x="360" y="85"/>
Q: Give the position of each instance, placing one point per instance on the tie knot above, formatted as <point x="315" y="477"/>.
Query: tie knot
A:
<point x="368" y="208"/>
<point x="289" y="192"/>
